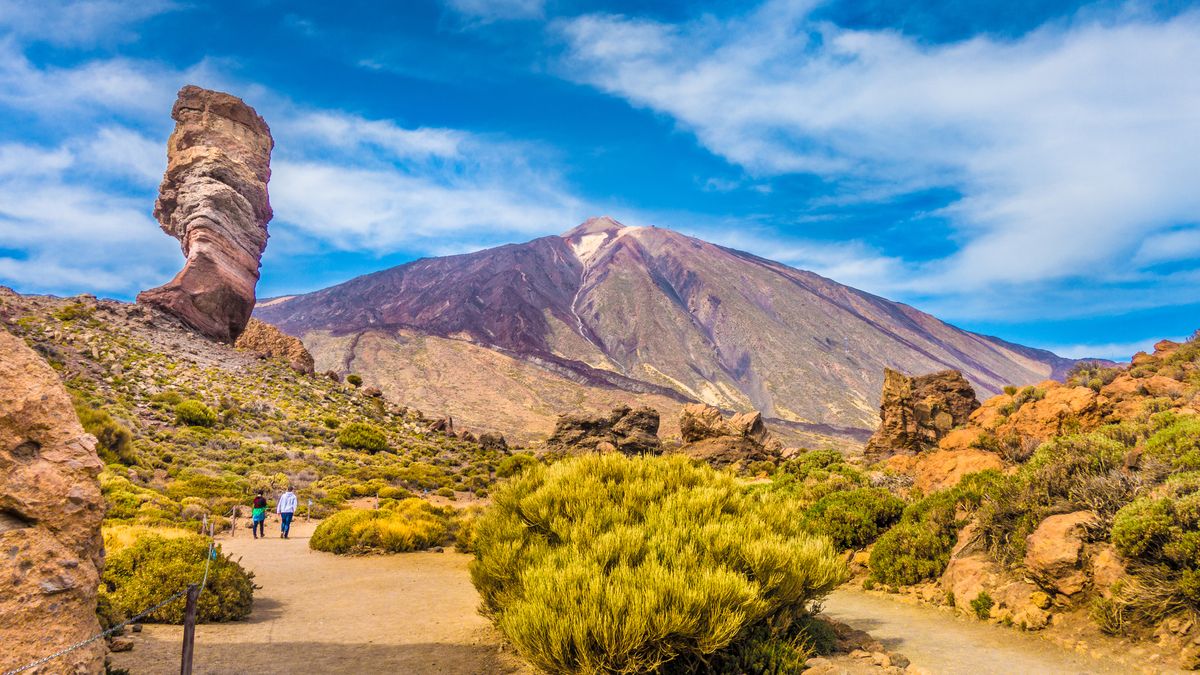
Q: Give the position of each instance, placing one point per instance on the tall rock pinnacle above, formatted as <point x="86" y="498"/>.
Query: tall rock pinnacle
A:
<point x="213" y="199"/>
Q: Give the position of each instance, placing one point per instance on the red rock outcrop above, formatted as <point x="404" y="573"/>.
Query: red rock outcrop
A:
<point x="268" y="341"/>
<point x="917" y="412"/>
<point x="50" y="513"/>
<point x="213" y="199"/>
<point x="1054" y="552"/>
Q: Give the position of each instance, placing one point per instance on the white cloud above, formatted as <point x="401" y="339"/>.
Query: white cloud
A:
<point x="77" y="22"/>
<point x="1116" y="351"/>
<point x="1069" y="145"/>
<point x="74" y="235"/>
<point x="497" y="10"/>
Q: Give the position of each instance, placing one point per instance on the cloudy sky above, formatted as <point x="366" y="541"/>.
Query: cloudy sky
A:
<point x="1022" y="168"/>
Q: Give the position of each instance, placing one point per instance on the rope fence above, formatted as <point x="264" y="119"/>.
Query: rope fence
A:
<point x="208" y="558"/>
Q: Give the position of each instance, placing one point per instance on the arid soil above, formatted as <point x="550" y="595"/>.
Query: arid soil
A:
<point x="321" y="613"/>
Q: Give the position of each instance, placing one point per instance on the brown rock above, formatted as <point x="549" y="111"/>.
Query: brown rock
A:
<point x="50" y="513"/>
<point x="121" y="644"/>
<point x="1054" y="552"/>
<point x="631" y="431"/>
<point x="493" y="441"/>
<point x="372" y="392"/>
<point x="739" y="440"/>
<point x="967" y="576"/>
<point x="444" y="425"/>
<point x="1063" y="408"/>
<point x="941" y="469"/>
<point x="214" y="200"/>
<point x="1107" y="569"/>
<point x="268" y="341"/>
<point x="916" y="412"/>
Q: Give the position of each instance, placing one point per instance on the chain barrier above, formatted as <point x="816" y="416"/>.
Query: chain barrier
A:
<point x="209" y="556"/>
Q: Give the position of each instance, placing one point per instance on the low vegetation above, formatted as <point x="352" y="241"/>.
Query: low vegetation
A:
<point x="604" y="563"/>
<point x="396" y="527"/>
<point x="146" y="566"/>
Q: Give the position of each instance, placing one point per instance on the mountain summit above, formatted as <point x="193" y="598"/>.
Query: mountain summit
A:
<point x="606" y="313"/>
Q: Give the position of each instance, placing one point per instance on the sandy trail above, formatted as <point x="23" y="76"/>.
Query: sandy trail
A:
<point x="942" y="643"/>
<point x="321" y="613"/>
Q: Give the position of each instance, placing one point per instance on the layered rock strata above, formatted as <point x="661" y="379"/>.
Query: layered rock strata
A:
<point x="214" y="200"/>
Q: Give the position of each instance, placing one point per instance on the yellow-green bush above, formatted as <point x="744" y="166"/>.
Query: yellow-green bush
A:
<point x="153" y="567"/>
<point x="406" y="525"/>
<point x="193" y="413"/>
<point x="605" y="563"/>
<point x="114" y="440"/>
<point x="362" y="436"/>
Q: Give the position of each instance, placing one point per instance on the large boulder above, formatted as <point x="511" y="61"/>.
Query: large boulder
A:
<point x="268" y="341"/>
<point x="631" y="431"/>
<point x="917" y="412"/>
<point x="1054" y="552"/>
<point x="942" y="469"/>
<point x="739" y="440"/>
<point x="214" y="200"/>
<point x="51" y="553"/>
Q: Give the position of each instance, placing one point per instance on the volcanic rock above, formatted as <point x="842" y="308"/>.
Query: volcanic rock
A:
<point x="741" y="439"/>
<point x="214" y="200"/>
<point x="268" y="341"/>
<point x="916" y="412"/>
<point x="1054" y="552"/>
<point x="631" y="431"/>
<point x="50" y="513"/>
<point x="492" y="441"/>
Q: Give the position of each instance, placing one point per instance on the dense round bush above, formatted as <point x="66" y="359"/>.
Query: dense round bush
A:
<point x="1176" y="443"/>
<point x="153" y="567"/>
<point x="514" y="464"/>
<point x="407" y="525"/>
<point x="114" y="440"/>
<point x="362" y="436"/>
<point x="354" y="380"/>
<point x="605" y="563"/>
<point x="1162" y="532"/>
<point x="854" y="518"/>
<point x="193" y="413"/>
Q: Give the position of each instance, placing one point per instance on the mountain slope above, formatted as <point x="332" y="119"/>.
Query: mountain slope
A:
<point x="654" y="313"/>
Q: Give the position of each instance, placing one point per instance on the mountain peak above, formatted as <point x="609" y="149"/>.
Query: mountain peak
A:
<point x="599" y="225"/>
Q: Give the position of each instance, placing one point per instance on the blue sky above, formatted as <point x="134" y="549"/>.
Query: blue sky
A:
<point x="1025" y="169"/>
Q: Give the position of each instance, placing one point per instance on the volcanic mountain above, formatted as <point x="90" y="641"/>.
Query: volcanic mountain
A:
<point x="508" y="337"/>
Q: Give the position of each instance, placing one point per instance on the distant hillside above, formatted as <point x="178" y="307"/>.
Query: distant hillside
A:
<point x="507" y="337"/>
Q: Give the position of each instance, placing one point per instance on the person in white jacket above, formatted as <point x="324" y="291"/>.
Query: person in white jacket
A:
<point x="286" y="508"/>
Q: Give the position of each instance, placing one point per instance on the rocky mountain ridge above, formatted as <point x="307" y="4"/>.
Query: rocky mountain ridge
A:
<point x="636" y="316"/>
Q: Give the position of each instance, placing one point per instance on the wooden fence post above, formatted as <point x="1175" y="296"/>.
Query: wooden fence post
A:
<point x="189" y="629"/>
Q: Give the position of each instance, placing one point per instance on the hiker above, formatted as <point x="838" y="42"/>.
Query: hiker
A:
<point x="286" y="509"/>
<point x="259" y="515"/>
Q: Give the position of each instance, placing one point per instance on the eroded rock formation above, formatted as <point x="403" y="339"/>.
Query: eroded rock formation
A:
<point x="741" y="439"/>
<point x="917" y="412"/>
<point x="51" y="552"/>
<point x="268" y="341"/>
<point x="213" y="199"/>
<point x="631" y="431"/>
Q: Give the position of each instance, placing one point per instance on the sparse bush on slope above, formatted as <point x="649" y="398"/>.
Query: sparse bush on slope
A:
<point x="362" y="436"/>
<point x="610" y="564"/>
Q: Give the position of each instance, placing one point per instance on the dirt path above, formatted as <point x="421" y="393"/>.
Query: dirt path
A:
<point x="321" y="613"/>
<point x="939" y="642"/>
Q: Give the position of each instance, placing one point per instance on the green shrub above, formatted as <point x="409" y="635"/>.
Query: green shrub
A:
<point x="354" y="380"/>
<point x="331" y="422"/>
<point x="1160" y="535"/>
<point x="73" y="311"/>
<point x="193" y="413"/>
<point x="855" y="518"/>
<point x="153" y="567"/>
<point x="1176" y="443"/>
<point x="362" y="436"/>
<point x="1068" y="473"/>
<point x="605" y="563"/>
<point x="982" y="605"/>
<point x="114" y="440"/>
<point x="407" y="525"/>
<point x="918" y="548"/>
<point x="514" y="464"/>
<point x="445" y="492"/>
